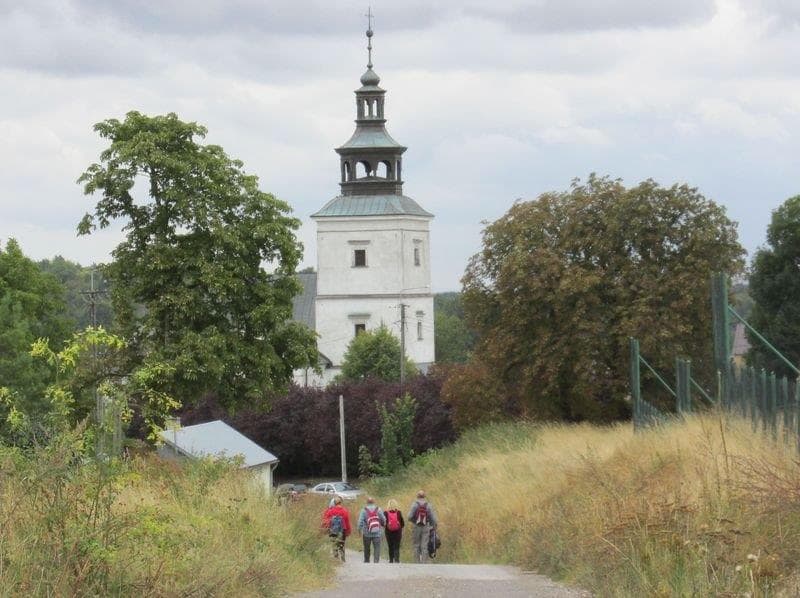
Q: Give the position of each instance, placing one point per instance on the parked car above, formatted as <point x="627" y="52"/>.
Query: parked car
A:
<point x="343" y="489"/>
<point x="290" y="492"/>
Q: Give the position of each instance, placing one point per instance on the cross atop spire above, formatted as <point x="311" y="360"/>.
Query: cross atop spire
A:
<point x="369" y="16"/>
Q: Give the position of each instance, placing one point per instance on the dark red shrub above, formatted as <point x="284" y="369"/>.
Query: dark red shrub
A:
<point x="302" y="427"/>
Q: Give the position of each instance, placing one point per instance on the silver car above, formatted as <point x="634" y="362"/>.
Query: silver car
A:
<point x="343" y="489"/>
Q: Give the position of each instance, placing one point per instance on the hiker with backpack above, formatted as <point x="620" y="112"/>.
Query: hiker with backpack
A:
<point x="423" y="518"/>
<point x="394" y="530"/>
<point x="336" y="520"/>
<point x="371" y="522"/>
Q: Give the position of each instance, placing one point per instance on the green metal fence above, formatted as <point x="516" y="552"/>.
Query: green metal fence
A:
<point x="771" y="403"/>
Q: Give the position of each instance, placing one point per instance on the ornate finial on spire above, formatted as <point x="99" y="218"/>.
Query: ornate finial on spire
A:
<point x="369" y="36"/>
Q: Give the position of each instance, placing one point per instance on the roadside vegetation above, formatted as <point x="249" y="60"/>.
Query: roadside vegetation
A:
<point x="703" y="507"/>
<point x="146" y="527"/>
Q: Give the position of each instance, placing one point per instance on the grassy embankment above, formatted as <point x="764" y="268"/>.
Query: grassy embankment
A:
<point x="699" y="508"/>
<point x="147" y="528"/>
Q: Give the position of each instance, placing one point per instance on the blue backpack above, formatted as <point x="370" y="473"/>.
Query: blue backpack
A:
<point x="336" y="526"/>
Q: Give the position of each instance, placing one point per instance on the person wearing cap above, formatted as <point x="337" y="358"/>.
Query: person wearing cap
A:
<point x="371" y="522"/>
<point x="423" y="519"/>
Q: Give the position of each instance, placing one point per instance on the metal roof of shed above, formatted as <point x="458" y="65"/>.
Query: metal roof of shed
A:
<point x="216" y="439"/>
<point x="372" y="205"/>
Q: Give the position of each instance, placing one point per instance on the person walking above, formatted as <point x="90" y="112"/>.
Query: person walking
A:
<point x="394" y="530"/>
<point x="371" y="522"/>
<point x="423" y="518"/>
<point x="336" y="520"/>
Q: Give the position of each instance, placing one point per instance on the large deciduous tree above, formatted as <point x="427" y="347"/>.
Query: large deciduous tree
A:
<point x="31" y="307"/>
<point x="188" y="286"/>
<point x="563" y="281"/>
<point x="775" y="289"/>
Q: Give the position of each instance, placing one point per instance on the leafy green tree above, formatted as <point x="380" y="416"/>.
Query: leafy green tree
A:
<point x="397" y="429"/>
<point x="31" y="307"/>
<point x="187" y="282"/>
<point x="76" y="280"/>
<point x="453" y="339"/>
<point x="374" y="354"/>
<point x="775" y="289"/>
<point x="563" y="281"/>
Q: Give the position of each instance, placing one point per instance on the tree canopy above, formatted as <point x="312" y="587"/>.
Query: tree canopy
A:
<point x="187" y="282"/>
<point x="775" y="289"/>
<point x="374" y="354"/>
<point x="564" y="280"/>
<point x="453" y="339"/>
<point x="31" y="307"/>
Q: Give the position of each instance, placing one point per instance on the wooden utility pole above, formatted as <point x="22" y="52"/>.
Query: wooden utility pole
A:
<point x="402" y="345"/>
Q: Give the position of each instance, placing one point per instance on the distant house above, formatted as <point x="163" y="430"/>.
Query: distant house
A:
<point x="218" y="439"/>
<point x="740" y="345"/>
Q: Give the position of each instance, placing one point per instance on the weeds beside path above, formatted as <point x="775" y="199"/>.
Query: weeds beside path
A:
<point x="357" y="579"/>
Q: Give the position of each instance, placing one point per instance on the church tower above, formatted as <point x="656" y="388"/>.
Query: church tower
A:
<point x="373" y="242"/>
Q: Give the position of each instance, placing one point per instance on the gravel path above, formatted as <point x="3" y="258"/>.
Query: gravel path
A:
<point x="357" y="579"/>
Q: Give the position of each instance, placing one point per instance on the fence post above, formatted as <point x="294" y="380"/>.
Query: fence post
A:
<point x="762" y="400"/>
<point x="721" y="324"/>
<point x="636" y="389"/>
<point x="787" y="415"/>
<point x="683" y="402"/>
<point x="753" y="400"/>
<point x="773" y="405"/>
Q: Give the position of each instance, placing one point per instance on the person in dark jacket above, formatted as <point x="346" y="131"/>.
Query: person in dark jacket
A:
<point x="394" y="530"/>
<point x="423" y="518"/>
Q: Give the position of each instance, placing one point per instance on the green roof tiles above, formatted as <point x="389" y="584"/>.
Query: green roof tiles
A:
<point x="370" y="137"/>
<point x="372" y="205"/>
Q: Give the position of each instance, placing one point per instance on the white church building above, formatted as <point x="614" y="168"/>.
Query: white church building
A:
<point x="373" y="248"/>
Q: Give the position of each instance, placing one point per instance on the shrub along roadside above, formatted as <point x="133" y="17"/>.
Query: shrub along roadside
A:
<point x="302" y="427"/>
<point x="146" y="527"/>
<point x="698" y="508"/>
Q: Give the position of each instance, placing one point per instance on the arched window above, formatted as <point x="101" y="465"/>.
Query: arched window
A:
<point x="363" y="169"/>
<point x="385" y="169"/>
<point x="347" y="174"/>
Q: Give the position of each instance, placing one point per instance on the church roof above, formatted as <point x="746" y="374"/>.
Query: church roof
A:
<point x="371" y="137"/>
<point x="303" y="303"/>
<point x="372" y="205"/>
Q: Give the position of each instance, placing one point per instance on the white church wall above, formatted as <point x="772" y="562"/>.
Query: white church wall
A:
<point x="337" y="319"/>
<point x="397" y="269"/>
<point x="389" y="246"/>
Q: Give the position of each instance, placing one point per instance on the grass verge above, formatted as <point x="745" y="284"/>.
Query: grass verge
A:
<point x="702" y="507"/>
<point x="146" y="528"/>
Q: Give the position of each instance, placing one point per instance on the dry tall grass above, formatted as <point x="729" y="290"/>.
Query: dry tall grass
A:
<point x="146" y="528"/>
<point x="703" y="507"/>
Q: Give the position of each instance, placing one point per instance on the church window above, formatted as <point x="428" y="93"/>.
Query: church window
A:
<point x="416" y="256"/>
<point x="419" y="330"/>
<point x="359" y="328"/>
<point x="359" y="258"/>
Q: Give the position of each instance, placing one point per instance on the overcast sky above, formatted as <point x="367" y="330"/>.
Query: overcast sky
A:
<point x="495" y="100"/>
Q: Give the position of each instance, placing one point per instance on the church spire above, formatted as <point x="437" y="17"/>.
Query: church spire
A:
<point x="371" y="162"/>
<point x="369" y="37"/>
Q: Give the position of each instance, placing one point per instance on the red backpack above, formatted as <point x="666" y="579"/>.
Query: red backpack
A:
<point x="392" y="521"/>
<point x="421" y="516"/>
<point x="373" y="520"/>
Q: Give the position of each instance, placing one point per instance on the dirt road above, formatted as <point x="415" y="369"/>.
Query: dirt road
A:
<point x="356" y="579"/>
